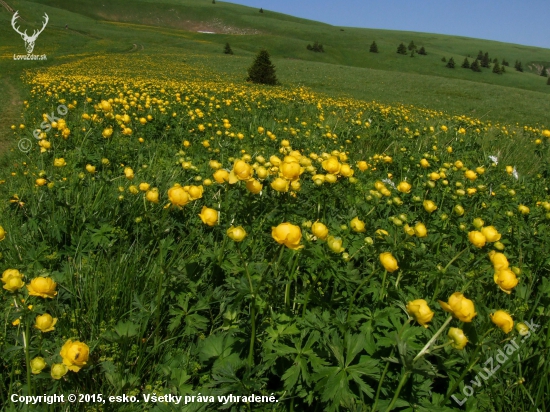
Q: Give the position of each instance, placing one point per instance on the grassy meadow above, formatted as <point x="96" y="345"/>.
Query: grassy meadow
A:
<point x="370" y="235"/>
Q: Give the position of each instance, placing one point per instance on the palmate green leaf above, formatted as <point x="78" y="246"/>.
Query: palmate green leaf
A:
<point x="216" y="345"/>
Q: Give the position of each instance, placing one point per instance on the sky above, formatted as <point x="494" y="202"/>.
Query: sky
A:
<point x="512" y="21"/>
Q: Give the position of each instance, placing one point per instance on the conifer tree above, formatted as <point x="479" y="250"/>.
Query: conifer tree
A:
<point x="495" y="60"/>
<point x="262" y="70"/>
<point x="227" y="49"/>
<point x="451" y="63"/>
<point x="465" y="63"/>
<point x="412" y="53"/>
<point x="480" y="55"/>
<point x="475" y="66"/>
<point x="402" y="49"/>
<point x="411" y="46"/>
<point x="505" y="63"/>
<point x="373" y="47"/>
<point x="485" y="61"/>
<point x="496" y="68"/>
<point x="422" y="51"/>
<point x="502" y="69"/>
<point x="443" y="59"/>
<point x="518" y="66"/>
<point x="261" y="10"/>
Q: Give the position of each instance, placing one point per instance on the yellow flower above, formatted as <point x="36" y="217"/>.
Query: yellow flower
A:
<point x="195" y="192"/>
<point x="11" y="273"/>
<point x="503" y="320"/>
<point x="37" y="365"/>
<point x="13" y="284"/>
<point x="470" y="175"/>
<point x="221" y="176"/>
<point x="45" y="322"/>
<point x="43" y="287"/>
<point x="491" y="234"/>
<point x="346" y="170"/>
<point x="75" y="355"/>
<point x="41" y="182"/>
<point x="144" y="187"/>
<point x="107" y="132"/>
<point x="152" y="195"/>
<point x="129" y="173"/>
<point x="60" y="162"/>
<point x="335" y="244"/>
<point x="291" y="170"/>
<point x="2" y="233"/>
<point x="357" y="225"/>
<point x="330" y="178"/>
<point x="420" y="230"/>
<point x="429" y="206"/>
<point x="319" y="230"/>
<point x="242" y="170"/>
<point x="461" y="308"/>
<point x="458" y="338"/>
<point x="59" y="370"/>
<point x="434" y="176"/>
<point x="524" y="210"/>
<point x="209" y="216"/>
<point x="498" y="260"/>
<point x="178" y="196"/>
<point x="236" y="233"/>
<point x="388" y="261"/>
<point x="362" y="165"/>
<point x="408" y="230"/>
<point x="90" y="168"/>
<point x="280" y="185"/>
<point x="546" y="133"/>
<point x="522" y="328"/>
<point x="509" y="169"/>
<point x="477" y="238"/>
<point x="133" y="190"/>
<point x="254" y="186"/>
<point x="421" y="311"/>
<point x="404" y="187"/>
<point x="424" y="163"/>
<point x="287" y="234"/>
<point x="332" y="165"/>
<point x="506" y="280"/>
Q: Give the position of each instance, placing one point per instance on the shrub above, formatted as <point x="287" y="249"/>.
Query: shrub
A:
<point x="544" y="72"/>
<point x="485" y="61"/>
<point x="262" y="70"/>
<point x="227" y="49"/>
<point x="451" y="63"/>
<point x="496" y="68"/>
<point x="475" y="66"/>
<point x="443" y="59"/>
<point x="505" y="63"/>
<point x="261" y="10"/>
<point x="317" y="47"/>
<point x="411" y="46"/>
<point x="422" y="51"/>
<point x="373" y="47"/>
<point x="401" y="49"/>
<point x="518" y="66"/>
<point x="465" y="63"/>
<point x="480" y="55"/>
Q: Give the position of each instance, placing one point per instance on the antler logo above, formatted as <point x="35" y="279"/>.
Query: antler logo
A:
<point x="29" y="40"/>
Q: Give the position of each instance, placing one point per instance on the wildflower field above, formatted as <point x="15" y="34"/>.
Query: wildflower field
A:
<point x="167" y="232"/>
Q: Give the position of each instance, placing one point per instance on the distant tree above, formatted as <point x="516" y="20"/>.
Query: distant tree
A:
<point x="411" y="46"/>
<point x="443" y="59"/>
<point x="475" y="66"/>
<point x="262" y="70"/>
<point x="373" y="47"/>
<point x="544" y="72"/>
<point x="213" y="1"/>
<point x="317" y="47"/>
<point x="496" y="68"/>
<point x="465" y="63"/>
<point x="495" y="60"/>
<point x="451" y="63"/>
<point x="505" y="63"/>
<point x="422" y="51"/>
<point x="502" y="69"/>
<point x="412" y="53"/>
<point x="518" y="66"/>
<point x="401" y="49"/>
<point x="485" y="61"/>
<point x="480" y="55"/>
<point x="227" y="49"/>
<point x="261" y="10"/>
<point x="548" y="81"/>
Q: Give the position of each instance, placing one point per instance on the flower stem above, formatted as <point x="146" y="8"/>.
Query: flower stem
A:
<point x="352" y="300"/>
<point x="402" y="382"/>
<point x="382" y="287"/>
<point x="252" y="311"/>
<point x="27" y="355"/>
<point x="380" y="383"/>
<point x="432" y="340"/>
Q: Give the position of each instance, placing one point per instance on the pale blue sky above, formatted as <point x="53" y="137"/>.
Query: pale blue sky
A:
<point x="512" y="21"/>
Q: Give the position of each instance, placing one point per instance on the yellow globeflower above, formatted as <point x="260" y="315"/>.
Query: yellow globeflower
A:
<point x="357" y="225"/>
<point x="43" y="287"/>
<point x="287" y="234"/>
<point x="37" y="365"/>
<point x="470" y="175"/>
<point x="335" y="244"/>
<point x="59" y="370"/>
<point x="242" y="170"/>
<point x="11" y="273"/>
<point x="75" y="355"/>
<point x="503" y="320"/>
<point x="254" y="186"/>
<point x="408" y="230"/>
<point x="144" y="187"/>
<point x="318" y="179"/>
<point x="152" y="195"/>
<point x="424" y="163"/>
<point x="129" y="173"/>
<point x="59" y="162"/>
<point x="362" y="165"/>
<point x="291" y="170"/>
<point x="236" y="233"/>
<point x="404" y="187"/>
<point x="459" y="340"/>
<point x="388" y="261"/>
<point x="319" y="230"/>
<point x="498" y="260"/>
<point x="429" y="206"/>
<point x="221" y="176"/>
<point x="420" y="230"/>
<point x="90" y="168"/>
<point x="45" y="322"/>
<point x="421" y="311"/>
<point x="491" y="234"/>
<point x="178" y="196"/>
<point x="280" y="185"/>
<point x="195" y="192"/>
<point x="524" y="210"/>
<point x="13" y="284"/>
<point x="332" y="165"/>
<point x="506" y="280"/>
<point x="330" y="178"/>
<point x="2" y="233"/>
<point x="460" y="307"/>
<point x="477" y="238"/>
<point x="209" y="216"/>
<point x="346" y="170"/>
